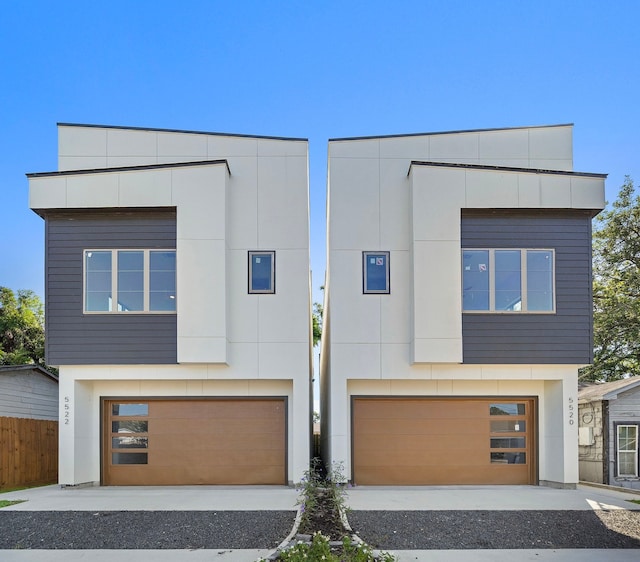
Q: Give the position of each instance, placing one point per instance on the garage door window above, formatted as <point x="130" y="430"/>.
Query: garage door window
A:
<point x="507" y="426"/>
<point x="129" y="433"/>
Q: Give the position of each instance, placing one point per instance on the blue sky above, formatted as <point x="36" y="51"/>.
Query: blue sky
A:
<point x="309" y="69"/>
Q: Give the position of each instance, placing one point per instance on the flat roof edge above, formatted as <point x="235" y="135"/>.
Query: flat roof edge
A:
<point x="372" y="137"/>
<point x="160" y="130"/>
<point x="127" y="168"/>
<point x="507" y="169"/>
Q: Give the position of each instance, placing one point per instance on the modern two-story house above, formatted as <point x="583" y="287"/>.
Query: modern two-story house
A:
<point x="178" y="305"/>
<point x="457" y="306"/>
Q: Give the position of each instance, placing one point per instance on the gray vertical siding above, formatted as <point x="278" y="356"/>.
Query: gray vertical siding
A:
<point x="563" y="337"/>
<point x="74" y="338"/>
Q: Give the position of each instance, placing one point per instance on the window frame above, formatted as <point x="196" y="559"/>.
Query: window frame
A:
<point x="114" y="281"/>
<point x="636" y="452"/>
<point x="272" y="281"/>
<point x="387" y="257"/>
<point x="523" y="281"/>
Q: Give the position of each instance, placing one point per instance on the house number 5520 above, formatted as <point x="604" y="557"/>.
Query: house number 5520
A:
<point x="67" y="410"/>
<point x="572" y="411"/>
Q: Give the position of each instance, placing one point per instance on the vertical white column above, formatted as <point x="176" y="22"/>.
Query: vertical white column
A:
<point x="66" y="431"/>
<point x="299" y="427"/>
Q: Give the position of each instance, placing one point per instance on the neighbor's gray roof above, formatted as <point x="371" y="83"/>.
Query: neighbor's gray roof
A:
<point x="608" y="390"/>
<point x="37" y="368"/>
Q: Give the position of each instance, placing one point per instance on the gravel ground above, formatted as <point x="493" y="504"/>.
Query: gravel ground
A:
<point x="144" y="529"/>
<point x="447" y="530"/>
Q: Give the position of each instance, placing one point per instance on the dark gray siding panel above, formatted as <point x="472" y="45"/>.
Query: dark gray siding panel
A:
<point x="74" y="338"/>
<point x="563" y="337"/>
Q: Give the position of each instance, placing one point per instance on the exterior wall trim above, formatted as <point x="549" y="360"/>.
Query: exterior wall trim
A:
<point x="160" y="130"/>
<point x="128" y="169"/>
<point x="505" y="169"/>
<point x="447" y="132"/>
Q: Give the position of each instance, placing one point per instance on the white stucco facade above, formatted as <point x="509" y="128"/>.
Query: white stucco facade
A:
<point x="231" y="194"/>
<point x="398" y="194"/>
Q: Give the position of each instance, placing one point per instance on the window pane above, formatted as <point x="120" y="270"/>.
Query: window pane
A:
<point x="128" y="458"/>
<point x="130" y="409"/>
<point x="627" y="464"/>
<point x="129" y="442"/>
<point x="98" y="290"/>
<point x="539" y="280"/>
<point x="508" y="458"/>
<point x="162" y="301"/>
<point x="507" y="409"/>
<point x="376" y="272"/>
<point x="475" y="280"/>
<point x="508" y="280"/>
<point x="162" y="261"/>
<point x="162" y="281"/>
<point x="507" y="442"/>
<point x="261" y="272"/>
<point x="130" y="426"/>
<point x="130" y="281"/>
<point x="508" y="426"/>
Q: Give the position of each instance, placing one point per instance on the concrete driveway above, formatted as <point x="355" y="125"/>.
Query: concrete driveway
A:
<point x="279" y="498"/>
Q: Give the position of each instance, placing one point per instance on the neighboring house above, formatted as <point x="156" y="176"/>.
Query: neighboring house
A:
<point x="28" y="426"/>
<point x="178" y="305"/>
<point x="458" y="306"/>
<point x="609" y="427"/>
<point x="28" y="391"/>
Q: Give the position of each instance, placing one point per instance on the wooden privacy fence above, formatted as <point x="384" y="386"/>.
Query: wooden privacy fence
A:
<point x="28" y="452"/>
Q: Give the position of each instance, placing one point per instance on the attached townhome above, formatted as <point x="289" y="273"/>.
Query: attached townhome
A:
<point x="458" y="307"/>
<point x="178" y="305"/>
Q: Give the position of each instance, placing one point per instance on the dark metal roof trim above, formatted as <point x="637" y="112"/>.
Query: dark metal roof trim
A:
<point x="157" y="130"/>
<point x="127" y="168"/>
<point x="506" y="169"/>
<point x="449" y="132"/>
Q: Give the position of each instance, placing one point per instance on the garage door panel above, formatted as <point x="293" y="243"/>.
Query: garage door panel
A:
<point x="420" y="426"/>
<point x="209" y="441"/>
<point x="414" y="409"/>
<point x="453" y="449"/>
<point x="221" y="426"/>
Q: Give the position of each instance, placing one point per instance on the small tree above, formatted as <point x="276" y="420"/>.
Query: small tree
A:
<point x="21" y="327"/>
<point x="616" y="289"/>
<point x="317" y="323"/>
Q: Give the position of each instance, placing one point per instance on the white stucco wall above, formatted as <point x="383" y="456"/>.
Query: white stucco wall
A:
<point x="82" y="387"/>
<point x="411" y="339"/>
<point x="244" y="193"/>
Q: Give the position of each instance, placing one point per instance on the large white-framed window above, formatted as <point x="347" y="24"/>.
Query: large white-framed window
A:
<point x="627" y="450"/>
<point x="508" y="280"/>
<point x="129" y="281"/>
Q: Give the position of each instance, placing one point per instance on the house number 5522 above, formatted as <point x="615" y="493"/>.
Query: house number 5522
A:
<point x="67" y="410"/>
<point x="572" y="411"/>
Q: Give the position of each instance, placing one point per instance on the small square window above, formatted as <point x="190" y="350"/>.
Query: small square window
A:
<point x="375" y="273"/>
<point x="262" y="267"/>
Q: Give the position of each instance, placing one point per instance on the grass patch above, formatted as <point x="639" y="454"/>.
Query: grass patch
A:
<point x="18" y="488"/>
<point x="6" y="503"/>
<point x="634" y="501"/>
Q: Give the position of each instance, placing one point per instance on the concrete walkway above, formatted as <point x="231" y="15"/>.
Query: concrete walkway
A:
<point x="498" y="498"/>
<point x="241" y="498"/>
<point x="155" y="498"/>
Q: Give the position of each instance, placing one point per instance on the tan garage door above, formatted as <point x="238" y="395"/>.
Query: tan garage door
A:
<point x="438" y="441"/>
<point x="176" y="442"/>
